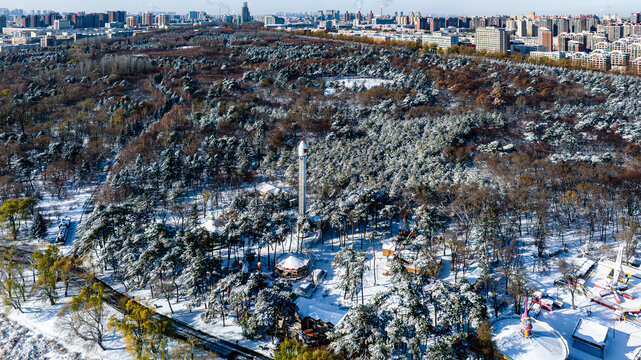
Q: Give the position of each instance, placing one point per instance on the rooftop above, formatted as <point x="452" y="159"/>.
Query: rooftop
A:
<point x="591" y="332"/>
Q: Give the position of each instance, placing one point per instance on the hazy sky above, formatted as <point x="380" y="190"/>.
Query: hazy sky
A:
<point x="440" y="7"/>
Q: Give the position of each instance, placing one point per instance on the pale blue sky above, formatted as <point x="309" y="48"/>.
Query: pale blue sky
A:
<point x="440" y="7"/>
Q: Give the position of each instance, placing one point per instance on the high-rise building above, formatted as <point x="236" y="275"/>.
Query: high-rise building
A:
<point x="510" y="24"/>
<point x="420" y="23"/>
<point x="521" y="28"/>
<point x="578" y="25"/>
<point x="477" y="22"/>
<point x="437" y="23"/>
<point x="48" y="18"/>
<point x="575" y="46"/>
<point x="492" y="39"/>
<point x="593" y="39"/>
<point x="132" y="21"/>
<point x="532" y="29"/>
<point x="561" y="25"/>
<point x="117" y="16"/>
<point x="32" y="21"/>
<point x="546" y="23"/>
<point x="619" y="58"/>
<point x="613" y="32"/>
<point x="193" y="15"/>
<point x="3" y="22"/>
<point x="464" y="22"/>
<point x="636" y="18"/>
<point x="403" y="20"/>
<point x="147" y="19"/>
<point x="569" y="41"/>
<point x="245" y="16"/>
<point x="545" y="38"/>
<point x="495" y="21"/>
<point x="273" y="20"/>
<point x="332" y="15"/>
<point x="163" y="20"/>
<point x="530" y="15"/>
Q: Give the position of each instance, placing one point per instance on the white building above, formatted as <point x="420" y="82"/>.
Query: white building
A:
<point x="442" y="40"/>
<point x="61" y="24"/>
<point x="492" y="39"/>
<point x="554" y="55"/>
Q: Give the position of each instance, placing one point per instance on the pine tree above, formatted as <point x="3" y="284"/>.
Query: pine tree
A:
<point x="274" y="310"/>
<point x="359" y="336"/>
<point x="39" y="226"/>
<point x="352" y="264"/>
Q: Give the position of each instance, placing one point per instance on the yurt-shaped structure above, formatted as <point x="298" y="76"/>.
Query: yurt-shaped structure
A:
<point x="293" y="267"/>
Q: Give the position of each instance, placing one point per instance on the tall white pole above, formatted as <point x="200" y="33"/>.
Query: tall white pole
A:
<point x="302" y="170"/>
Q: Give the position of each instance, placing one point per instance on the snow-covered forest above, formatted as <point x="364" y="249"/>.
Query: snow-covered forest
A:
<point x="494" y="172"/>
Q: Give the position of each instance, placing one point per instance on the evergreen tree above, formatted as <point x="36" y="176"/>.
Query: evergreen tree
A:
<point x="273" y="311"/>
<point x="359" y="336"/>
<point x="39" y="226"/>
<point x="352" y="265"/>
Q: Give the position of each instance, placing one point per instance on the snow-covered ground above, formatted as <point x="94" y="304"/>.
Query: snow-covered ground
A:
<point x="40" y="324"/>
<point x="351" y="82"/>
<point x="19" y="342"/>
<point x="624" y="339"/>
<point x="38" y="332"/>
<point x="231" y="331"/>
<point x="327" y="301"/>
<point x="69" y="208"/>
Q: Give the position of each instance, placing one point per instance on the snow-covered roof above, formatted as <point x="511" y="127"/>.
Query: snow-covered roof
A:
<point x="319" y="310"/>
<point x="591" y="332"/>
<point x="293" y="262"/>
<point x="265" y="188"/>
<point x="302" y="149"/>
<point x="389" y="245"/>
<point x="583" y="265"/>
<point x="544" y="344"/>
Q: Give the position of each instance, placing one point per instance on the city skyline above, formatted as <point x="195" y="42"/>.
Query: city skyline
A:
<point x="492" y="7"/>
